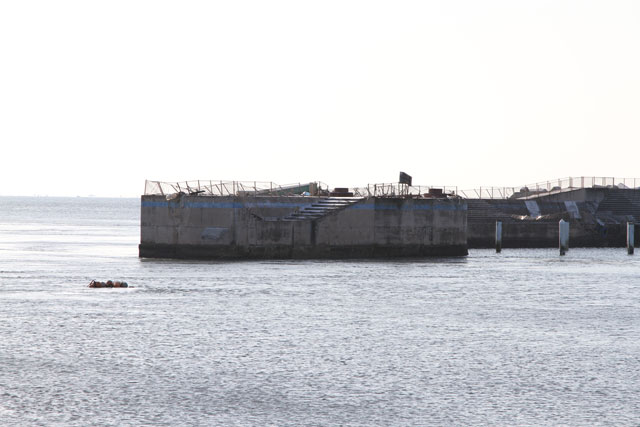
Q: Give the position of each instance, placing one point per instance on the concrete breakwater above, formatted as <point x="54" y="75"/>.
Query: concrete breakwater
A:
<point x="237" y="220"/>
<point x="598" y="218"/>
<point x="272" y="227"/>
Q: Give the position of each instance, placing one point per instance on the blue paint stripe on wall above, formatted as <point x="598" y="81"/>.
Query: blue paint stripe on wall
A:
<point x="225" y="205"/>
<point x="429" y="207"/>
<point x="378" y="207"/>
<point x="154" y="204"/>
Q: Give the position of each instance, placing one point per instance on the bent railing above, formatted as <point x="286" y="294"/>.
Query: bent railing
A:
<point x="261" y="188"/>
<point x="403" y="190"/>
<point x="550" y="187"/>
<point x="230" y="188"/>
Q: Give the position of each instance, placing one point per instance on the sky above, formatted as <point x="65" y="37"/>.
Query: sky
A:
<point x="96" y="97"/>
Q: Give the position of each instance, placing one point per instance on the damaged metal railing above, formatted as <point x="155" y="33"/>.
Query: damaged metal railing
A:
<point x="550" y="187"/>
<point x="403" y="190"/>
<point x="261" y="188"/>
<point x="230" y="188"/>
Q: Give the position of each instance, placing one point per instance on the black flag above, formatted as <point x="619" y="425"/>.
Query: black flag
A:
<point x="405" y="179"/>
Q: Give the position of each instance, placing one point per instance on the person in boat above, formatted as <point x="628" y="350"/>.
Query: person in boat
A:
<point x="108" y="284"/>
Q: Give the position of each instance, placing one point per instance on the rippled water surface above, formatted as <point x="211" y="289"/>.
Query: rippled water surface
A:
<point x="521" y="338"/>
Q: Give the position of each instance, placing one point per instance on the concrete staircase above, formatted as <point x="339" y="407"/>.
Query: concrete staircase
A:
<point x="321" y="208"/>
<point x="618" y="204"/>
<point x="479" y="210"/>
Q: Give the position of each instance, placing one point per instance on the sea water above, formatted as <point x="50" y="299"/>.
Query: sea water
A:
<point x="524" y="337"/>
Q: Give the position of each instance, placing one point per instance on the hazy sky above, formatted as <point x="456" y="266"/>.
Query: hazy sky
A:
<point x="97" y="96"/>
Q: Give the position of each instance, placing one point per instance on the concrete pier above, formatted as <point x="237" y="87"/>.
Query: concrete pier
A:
<point x="630" y="237"/>
<point x="498" y="236"/>
<point x="598" y="218"/>
<point x="241" y="227"/>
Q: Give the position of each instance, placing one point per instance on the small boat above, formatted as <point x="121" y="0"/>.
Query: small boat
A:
<point x="108" y="284"/>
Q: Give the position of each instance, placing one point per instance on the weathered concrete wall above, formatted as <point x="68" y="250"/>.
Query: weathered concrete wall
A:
<point x="394" y="227"/>
<point x="544" y="234"/>
<point x="597" y="219"/>
<point x="253" y="227"/>
<point x="579" y="195"/>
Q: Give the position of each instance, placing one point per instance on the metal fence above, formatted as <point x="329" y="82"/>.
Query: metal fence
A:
<point x="258" y="188"/>
<point x="229" y="188"/>
<point x="261" y="188"/>
<point x="402" y="190"/>
<point x="550" y="187"/>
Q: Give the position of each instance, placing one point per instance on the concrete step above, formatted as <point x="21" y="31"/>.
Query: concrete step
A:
<point x="321" y="208"/>
<point x="479" y="210"/>
<point x="619" y="205"/>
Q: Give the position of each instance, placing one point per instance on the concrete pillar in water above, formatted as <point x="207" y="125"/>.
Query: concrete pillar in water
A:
<point x="498" y="236"/>
<point x="630" y="236"/>
<point x="563" y="231"/>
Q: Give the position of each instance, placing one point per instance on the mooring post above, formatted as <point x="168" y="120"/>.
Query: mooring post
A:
<point x="563" y="231"/>
<point x="498" y="236"/>
<point x="630" y="236"/>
